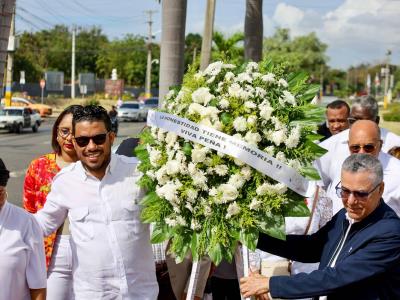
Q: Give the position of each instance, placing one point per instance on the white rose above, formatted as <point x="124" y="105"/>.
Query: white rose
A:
<point x="270" y="150"/>
<point x="246" y="172"/>
<point x="278" y="137"/>
<point x="233" y="209"/>
<point x="173" y="167"/>
<point x="195" y="108"/>
<point x="268" y="77"/>
<point x="229" y="192"/>
<point x="171" y="138"/>
<point x="213" y="69"/>
<point x="234" y="90"/>
<point x="160" y="135"/>
<point x="265" y="112"/>
<point x="213" y="192"/>
<point x="199" y="155"/>
<point x="240" y="124"/>
<point x="244" y="77"/>
<point x="260" y="92"/>
<point x="294" y="163"/>
<point x="252" y="138"/>
<point x="249" y="105"/>
<point x="202" y="96"/>
<point x="161" y="175"/>
<point x="229" y="76"/>
<point x="237" y="180"/>
<point x="252" y="120"/>
<point x="262" y="189"/>
<point x="238" y="162"/>
<point x="294" y="137"/>
<point x="191" y="194"/>
<point x="224" y="103"/>
<point x="287" y="98"/>
<point x="155" y="156"/>
<point x="281" y="156"/>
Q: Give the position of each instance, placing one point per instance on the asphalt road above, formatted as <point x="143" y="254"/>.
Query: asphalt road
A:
<point x="18" y="150"/>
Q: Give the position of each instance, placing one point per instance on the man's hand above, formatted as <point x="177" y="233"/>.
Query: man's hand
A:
<point x="255" y="285"/>
<point x="263" y="297"/>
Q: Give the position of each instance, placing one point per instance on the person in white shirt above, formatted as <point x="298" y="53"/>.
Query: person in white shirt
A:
<point x="365" y="137"/>
<point x="112" y="255"/>
<point x="22" y="259"/>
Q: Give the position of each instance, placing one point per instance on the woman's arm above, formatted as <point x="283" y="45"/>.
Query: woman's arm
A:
<point x="30" y="190"/>
<point x="38" y="294"/>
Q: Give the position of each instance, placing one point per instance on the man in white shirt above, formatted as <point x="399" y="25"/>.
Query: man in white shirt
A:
<point x="112" y="253"/>
<point x="365" y="137"/>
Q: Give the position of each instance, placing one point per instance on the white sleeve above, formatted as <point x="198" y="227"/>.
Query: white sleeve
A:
<point x="52" y="215"/>
<point x="36" y="275"/>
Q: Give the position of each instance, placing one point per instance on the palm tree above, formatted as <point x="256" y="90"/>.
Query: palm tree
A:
<point x="228" y="48"/>
<point x="253" y="30"/>
<point x="6" y="10"/>
<point x="172" y="45"/>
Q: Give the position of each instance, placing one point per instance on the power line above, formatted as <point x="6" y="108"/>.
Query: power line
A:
<point x="35" y="16"/>
<point x="27" y="21"/>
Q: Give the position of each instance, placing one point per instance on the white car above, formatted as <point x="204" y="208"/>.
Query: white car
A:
<point x="15" y="119"/>
<point x="131" y="111"/>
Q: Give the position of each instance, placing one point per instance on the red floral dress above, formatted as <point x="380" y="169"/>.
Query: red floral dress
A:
<point x="38" y="179"/>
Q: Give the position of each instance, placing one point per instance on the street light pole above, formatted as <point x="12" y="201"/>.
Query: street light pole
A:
<point x="10" y="60"/>
<point x="387" y="71"/>
<point x="149" y="60"/>
<point x="73" y="63"/>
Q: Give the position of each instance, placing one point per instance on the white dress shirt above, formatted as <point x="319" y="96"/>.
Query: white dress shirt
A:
<point x="329" y="167"/>
<point x="22" y="259"/>
<point x="111" y="247"/>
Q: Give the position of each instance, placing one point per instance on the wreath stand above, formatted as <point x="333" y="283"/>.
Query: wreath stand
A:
<point x="194" y="275"/>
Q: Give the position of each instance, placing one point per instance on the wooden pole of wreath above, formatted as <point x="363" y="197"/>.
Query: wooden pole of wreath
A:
<point x="245" y="252"/>
<point x="194" y="277"/>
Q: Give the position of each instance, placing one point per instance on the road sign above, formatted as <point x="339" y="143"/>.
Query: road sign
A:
<point x="22" y="77"/>
<point x="42" y="83"/>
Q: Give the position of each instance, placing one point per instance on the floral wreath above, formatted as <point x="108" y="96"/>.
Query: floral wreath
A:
<point x="205" y="201"/>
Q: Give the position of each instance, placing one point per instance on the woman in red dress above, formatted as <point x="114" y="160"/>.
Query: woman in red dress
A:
<point x="37" y="185"/>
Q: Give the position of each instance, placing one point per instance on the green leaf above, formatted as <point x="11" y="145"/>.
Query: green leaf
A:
<point x="273" y="225"/>
<point x="315" y="148"/>
<point x="187" y="148"/>
<point x="160" y="233"/>
<point x="215" y="253"/>
<point x="249" y="238"/>
<point x="296" y="209"/>
<point x="149" y="199"/>
<point x="226" y="118"/>
<point x="194" y="245"/>
<point x="310" y="172"/>
<point x="314" y="137"/>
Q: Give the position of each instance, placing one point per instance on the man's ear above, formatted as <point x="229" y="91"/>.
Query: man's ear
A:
<point x="112" y="137"/>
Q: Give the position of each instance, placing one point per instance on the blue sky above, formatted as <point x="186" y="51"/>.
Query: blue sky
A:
<point x="356" y="31"/>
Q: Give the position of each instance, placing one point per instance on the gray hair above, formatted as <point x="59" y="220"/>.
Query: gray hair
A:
<point x="361" y="162"/>
<point x="369" y="103"/>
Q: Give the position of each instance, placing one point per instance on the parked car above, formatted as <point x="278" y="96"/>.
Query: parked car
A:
<point x="131" y="111"/>
<point x="15" y="119"/>
<point x="43" y="109"/>
<point x="151" y="103"/>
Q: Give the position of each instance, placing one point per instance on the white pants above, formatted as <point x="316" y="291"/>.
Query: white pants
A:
<point x="59" y="274"/>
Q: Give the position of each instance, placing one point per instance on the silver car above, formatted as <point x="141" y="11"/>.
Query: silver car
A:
<point x="131" y="111"/>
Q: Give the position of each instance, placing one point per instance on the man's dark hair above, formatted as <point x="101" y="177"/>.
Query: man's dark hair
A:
<point x="91" y="113"/>
<point x="4" y="174"/>
<point x="337" y="104"/>
<point x="69" y="110"/>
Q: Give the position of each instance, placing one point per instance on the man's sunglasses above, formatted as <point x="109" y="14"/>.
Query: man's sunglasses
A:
<point x="368" y="148"/>
<point x="345" y="193"/>
<point x="83" y="141"/>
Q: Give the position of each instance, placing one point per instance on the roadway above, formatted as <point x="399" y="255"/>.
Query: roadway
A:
<point x="18" y="150"/>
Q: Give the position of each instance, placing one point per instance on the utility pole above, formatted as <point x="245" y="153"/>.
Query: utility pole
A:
<point x="73" y="63"/>
<point x="206" y="43"/>
<point x="147" y="90"/>
<point x="6" y="12"/>
<point x="10" y="60"/>
<point x="321" y="93"/>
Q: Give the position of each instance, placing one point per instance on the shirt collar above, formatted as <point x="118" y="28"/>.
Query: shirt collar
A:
<point x="110" y="168"/>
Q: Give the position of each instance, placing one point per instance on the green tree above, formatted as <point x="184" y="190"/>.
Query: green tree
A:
<point x="192" y="47"/>
<point x="230" y="48"/>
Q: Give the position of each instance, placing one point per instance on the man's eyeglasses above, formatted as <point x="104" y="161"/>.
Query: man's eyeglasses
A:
<point x="83" y="141"/>
<point x="345" y="193"/>
<point x="368" y="148"/>
<point x="63" y="132"/>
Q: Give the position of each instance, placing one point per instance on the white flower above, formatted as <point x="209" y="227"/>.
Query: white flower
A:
<point x="229" y="193"/>
<point x="244" y="77"/>
<point x="195" y="108"/>
<point x="237" y="180"/>
<point x="207" y="211"/>
<point x="234" y="90"/>
<point x="171" y="138"/>
<point x="221" y="170"/>
<point x="173" y="167"/>
<point x="255" y="204"/>
<point x="195" y="225"/>
<point x="213" y="192"/>
<point x="229" y="76"/>
<point x="199" y="154"/>
<point x="189" y="206"/>
<point x="191" y="194"/>
<point x="211" y="79"/>
<point x="170" y="222"/>
<point x="294" y="163"/>
<point x="282" y="82"/>
<point x="213" y="69"/>
<point x="249" y="105"/>
<point x="170" y="94"/>
<point x="252" y="120"/>
<point x="238" y="162"/>
<point x="153" y="131"/>
<point x="202" y="96"/>
<point x="267" y="188"/>
<point x="161" y="175"/>
<point x="279" y="188"/>
<point x="265" y="111"/>
<point x="246" y="173"/>
<point x="281" y="156"/>
<point x="270" y="150"/>
<point x="169" y="191"/>
<point x="192" y="168"/>
<point x="200" y="180"/>
<point x="268" y="77"/>
<point x="224" y="103"/>
<point x="294" y="137"/>
<point x="180" y="221"/>
<point x="278" y="137"/>
<point x="260" y="92"/>
<point x="198" y="75"/>
<point x="155" y="156"/>
<point x="233" y="209"/>
<point x="211" y="112"/>
<point x="240" y="124"/>
<point x="262" y="189"/>
<point x="251" y="66"/>
<point x="287" y="98"/>
<point x="252" y="138"/>
<point x="160" y="135"/>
